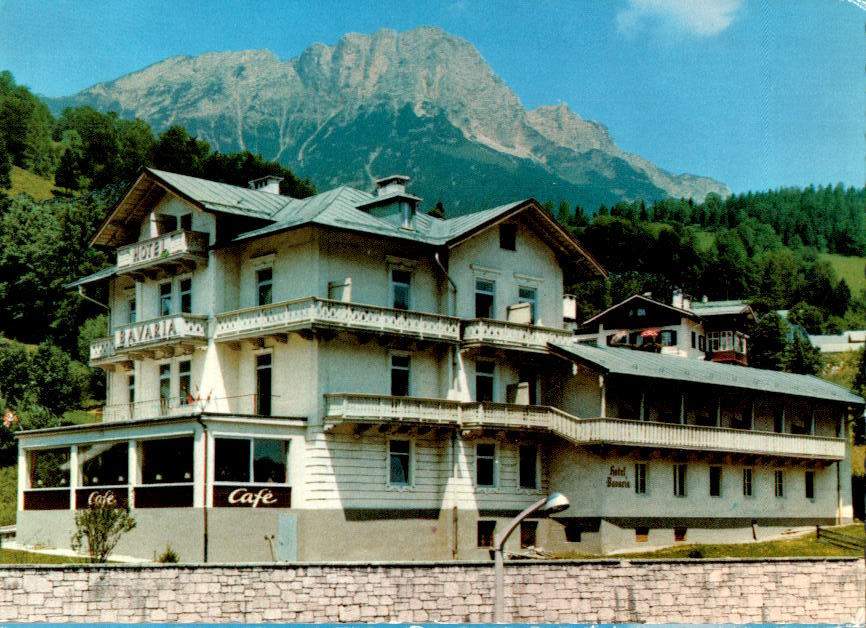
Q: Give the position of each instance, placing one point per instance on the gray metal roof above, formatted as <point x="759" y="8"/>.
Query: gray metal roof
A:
<point x="99" y="275"/>
<point x="222" y="197"/>
<point x="619" y="361"/>
<point x="720" y="308"/>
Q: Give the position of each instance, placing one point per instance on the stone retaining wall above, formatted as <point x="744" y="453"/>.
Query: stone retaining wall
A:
<point x="699" y="591"/>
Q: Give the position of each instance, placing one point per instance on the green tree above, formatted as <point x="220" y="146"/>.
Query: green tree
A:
<point x="563" y="213"/>
<point x="801" y="357"/>
<point x="768" y="342"/>
<point x="68" y="173"/>
<point x="808" y="317"/>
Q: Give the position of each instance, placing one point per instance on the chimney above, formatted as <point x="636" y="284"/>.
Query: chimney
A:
<point x="269" y="184"/>
<point x="677" y="299"/>
<point x="395" y="184"/>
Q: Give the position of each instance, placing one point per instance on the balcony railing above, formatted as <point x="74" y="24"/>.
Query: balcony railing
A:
<point x="694" y="437"/>
<point x="174" y="247"/>
<point x="312" y="312"/>
<point x="513" y="335"/>
<point x="101" y="350"/>
<point x="150" y="409"/>
<point x="359" y="408"/>
<point x="175" y="328"/>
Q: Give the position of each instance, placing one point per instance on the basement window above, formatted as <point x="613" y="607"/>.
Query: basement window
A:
<point x="641" y="534"/>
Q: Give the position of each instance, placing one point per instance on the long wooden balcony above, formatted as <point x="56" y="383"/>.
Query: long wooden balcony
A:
<point x="344" y="409"/>
<point x="166" y="253"/>
<point x="173" y="334"/>
<point x="314" y="313"/>
<point x="694" y="437"/>
<point x="502" y="334"/>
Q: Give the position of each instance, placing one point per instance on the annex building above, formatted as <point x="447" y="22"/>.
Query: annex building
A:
<point x="342" y="377"/>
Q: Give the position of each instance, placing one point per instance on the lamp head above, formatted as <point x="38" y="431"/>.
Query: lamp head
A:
<point x="557" y="502"/>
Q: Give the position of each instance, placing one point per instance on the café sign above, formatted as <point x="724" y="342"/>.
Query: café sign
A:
<point x="252" y="496"/>
<point x="96" y="497"/>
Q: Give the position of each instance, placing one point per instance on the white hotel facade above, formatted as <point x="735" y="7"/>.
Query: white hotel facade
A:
<point x="341" y="377"/>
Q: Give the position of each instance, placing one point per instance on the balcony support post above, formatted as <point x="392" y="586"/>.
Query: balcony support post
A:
<point x="602" y="390"/>
<point x="74" y="474"/>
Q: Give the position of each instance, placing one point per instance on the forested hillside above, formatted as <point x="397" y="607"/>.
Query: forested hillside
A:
<point x="766" y="247"/>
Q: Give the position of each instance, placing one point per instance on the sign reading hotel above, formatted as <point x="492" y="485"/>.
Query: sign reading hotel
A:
<point x="252" y="497"/>
<point x="616" y="478"/>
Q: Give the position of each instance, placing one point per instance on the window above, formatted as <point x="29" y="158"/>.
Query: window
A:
<point x="640" y="478"/>
<point x="527" y="295"/>
<point x="49" y="468"/>
<point x="132" y="316"/>
<point x="528" y="466"/>
<point x="702" y="343"/>
<point x="484" y="303"/>
<point x="527" y="533"/>
<point x="184" y="382"/>
<point x="166" y="461"/>
<point x="715" y="481"/>
<point x="747" y="482"/>
<point x="680" y="534"/>
<point x="484" y="379"/>
<point x="400" y="375"/>
<point x="130" y="388"/>
<point x="263" y="384"/>
<point x="485" y="464"/>
<point x="680" y="480"/>
<point x="780" y="483"/>
<point x="258" y="460"/>
<point x="165" y="299"/>
<point x="264" y="286"/>
<point x="104" y="464"/>
<point x="779" y="420"/>
<point x="810" y="484"/>
<point x="407" y="215"/>
<point x="186" y="295"/>
<point x="641" y="534"/>
<point x="185" y="222"/>
<point x="486" y="531"/>
<point x="401" y="280"/>
<point x="400" y="462"/>
<point x="694" y="340"/>
<point x="508" y="237"/>
<point x="573" y="533"/>
<point x="668" y="338"/>
<point x="721" y="340"/>
<point x="164" y="383"/>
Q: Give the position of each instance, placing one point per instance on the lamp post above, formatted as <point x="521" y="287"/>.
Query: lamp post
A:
<point x="555" y="502"/>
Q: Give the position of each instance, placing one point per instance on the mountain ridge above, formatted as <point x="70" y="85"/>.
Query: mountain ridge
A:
<point x="408" y="84"/>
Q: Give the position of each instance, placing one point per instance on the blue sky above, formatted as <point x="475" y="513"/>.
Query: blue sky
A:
<point x="755" y="93"/>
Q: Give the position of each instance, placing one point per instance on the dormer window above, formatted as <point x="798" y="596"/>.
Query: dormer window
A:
<point x="407" y="215"/>
<point x="508" y="237"/>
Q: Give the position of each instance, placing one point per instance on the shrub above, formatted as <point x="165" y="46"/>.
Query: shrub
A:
<point x="168" y="556"/>
<point x="99" y="528"/>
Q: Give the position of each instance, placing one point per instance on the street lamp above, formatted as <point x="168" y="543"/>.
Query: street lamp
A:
<point x="555" y="502"/>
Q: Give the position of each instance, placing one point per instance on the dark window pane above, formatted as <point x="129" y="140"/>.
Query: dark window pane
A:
<point x="528" y="469"/>
<point x="186" y="295"/>
<point x="527" y="533"/>
<point x="263" y="385"/>
<point x="486" y="530"/>
<point x="484" y="291"/>
<point x="104" y="464"/>
<point x="49" y="468"/>
<point x="400" y="375"/>
<point x="269" y="461"/>
<point x="715" y="481"/>
<point x="400" y="463"/>
<point x="264" y="286"/>
<point x="232" y="460"/>
<point x="186" y="222"/>
<point x="184" y="382"/>
<point x="508" y="237"/>
<point x="165" y="461"/>
<point x="165" y="381"/>
<point x="400" y="282"/>
<point x="164" y="299"/>
<point x="485" y="464"/>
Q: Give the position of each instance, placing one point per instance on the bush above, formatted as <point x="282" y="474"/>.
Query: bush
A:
<point x="168" y="556"/>
<point x="695" y="553"/>
<point x="100" y="527"/>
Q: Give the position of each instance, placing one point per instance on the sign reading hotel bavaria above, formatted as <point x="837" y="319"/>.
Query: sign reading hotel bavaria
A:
<point x="252" y="496"/>
<point x="616" y="478"/>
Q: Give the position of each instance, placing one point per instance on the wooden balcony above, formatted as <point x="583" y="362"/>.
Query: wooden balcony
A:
<point x="351" y="410"/>
<point x="483" y="331"/>
<point x="168" y="335"/>
<point x="169" y="253"/>
<point x="312" y="313"/>
<point x="694" y="438"/>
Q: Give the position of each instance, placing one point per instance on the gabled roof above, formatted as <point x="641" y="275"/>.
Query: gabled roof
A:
<point x="646" y="301"/>
<point x="338" y="208"/>
<point x="619" y="361"/>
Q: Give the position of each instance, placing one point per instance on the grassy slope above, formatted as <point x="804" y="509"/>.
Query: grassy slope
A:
<point x="34" y="185"/>
<point x="851" y="269"/>
<point x="8" y="494"/>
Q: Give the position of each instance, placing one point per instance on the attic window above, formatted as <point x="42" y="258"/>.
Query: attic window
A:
<point x="508" y="236"/>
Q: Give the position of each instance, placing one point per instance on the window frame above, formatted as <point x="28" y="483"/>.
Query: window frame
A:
<point x="715" y="483"/>
<point x="536" y="466"/>
<point x="533" y="302"/>
<point x="640" y="478"/>
<point x="166" y="298"/>
<point x="494" y="464"/>
<point x="409" y="467"/>
<point x="164" y="377"/>
<point x="184" y="295"/>
<point x="528" y="529"/>
<point x="408" y="370"/>
<point x="259" y="368"/>
<point x="287" y="443"/>
<point x="184" y="395"/>
<point x="779" y="483"/>
<point x="748" y="483"/>
<point x="392" y="287"/>
<point x="264" y="284"/>
<point x="809" y="484"/>
<point x="508" y="236"/>
<point x="488" y="375"/>
<point x="681" y="479"/>
<point x="491" y="293"/>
